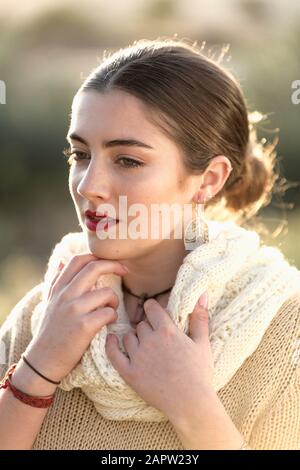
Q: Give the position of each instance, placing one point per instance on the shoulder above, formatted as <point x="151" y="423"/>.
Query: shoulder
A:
<point x="280" y="343"/>
<point x="15" y="332"/>
<point x="276" y="362"/>
<point x="278" y="397"/>
<point x="268" y="370"/>
<point x="263" y="397"/>
<point x="285" y="326"/>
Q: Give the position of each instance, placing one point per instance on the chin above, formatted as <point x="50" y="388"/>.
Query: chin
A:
<point x="107" y="249"/>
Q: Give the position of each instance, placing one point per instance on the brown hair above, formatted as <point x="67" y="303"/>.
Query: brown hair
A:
<point x="200" y="106"/>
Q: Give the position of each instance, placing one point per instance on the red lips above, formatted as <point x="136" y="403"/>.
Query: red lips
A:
<point x="96" y="215"/>
<point x="93" y="219"/>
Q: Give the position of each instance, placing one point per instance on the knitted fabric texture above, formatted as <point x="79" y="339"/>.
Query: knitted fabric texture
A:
<point x="246" y="284"/>
<point x="262" y="398"/>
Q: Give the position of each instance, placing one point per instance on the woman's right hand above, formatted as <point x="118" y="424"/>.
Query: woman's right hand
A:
<point x="73" y="316"/>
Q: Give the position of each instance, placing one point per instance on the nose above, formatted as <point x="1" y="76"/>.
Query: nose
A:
<point x="94" y="184"/>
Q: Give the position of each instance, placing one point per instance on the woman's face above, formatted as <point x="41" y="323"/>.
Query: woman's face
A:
<point x="149" y="174"/>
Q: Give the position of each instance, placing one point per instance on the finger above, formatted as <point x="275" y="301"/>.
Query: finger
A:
<point x="100" y="317"/>
<point x="199" y="321"/>
<point x="75" y="264"/>
<point x="97" y="298"/>
<point x="156" y="315"/>
<point x="60" y="268"/>
<point x="130" y="342"/>
<point x="86" y="278"/>
<point x="119" y="361"/>
<point x="143" y="329"/>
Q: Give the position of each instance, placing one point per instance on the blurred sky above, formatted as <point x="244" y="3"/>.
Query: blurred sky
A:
<point x="193" y="10"/>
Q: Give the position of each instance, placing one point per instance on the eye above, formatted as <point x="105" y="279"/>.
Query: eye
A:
<point x="77" y="155"/>
<point x="74" y="155"/>
<point x="129" y="162"/>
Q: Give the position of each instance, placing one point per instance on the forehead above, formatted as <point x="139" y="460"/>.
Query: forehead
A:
<point x="98" y="117"/>
<point x="113" y="111"/>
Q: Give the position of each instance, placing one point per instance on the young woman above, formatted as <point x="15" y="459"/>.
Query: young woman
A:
<point x="159" y="123"/>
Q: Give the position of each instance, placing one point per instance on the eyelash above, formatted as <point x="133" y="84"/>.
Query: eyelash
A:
<point x="70" y="155"/>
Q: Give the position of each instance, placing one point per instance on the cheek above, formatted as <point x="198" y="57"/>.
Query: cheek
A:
<point x="74" y="180"/>
<point x="158" y="188"/>
<point x="160" y="191"/>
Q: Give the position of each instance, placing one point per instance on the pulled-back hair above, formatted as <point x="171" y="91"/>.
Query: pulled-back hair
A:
<point x="198" y="104"/>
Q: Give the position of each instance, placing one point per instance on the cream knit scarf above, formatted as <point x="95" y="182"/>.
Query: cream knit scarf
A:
<point x="246" y="282"/>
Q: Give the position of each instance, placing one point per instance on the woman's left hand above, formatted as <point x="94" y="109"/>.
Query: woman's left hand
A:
<point x="165" y="364"/>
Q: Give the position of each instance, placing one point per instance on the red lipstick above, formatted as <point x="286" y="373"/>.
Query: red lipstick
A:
<point x="93" y="218"/>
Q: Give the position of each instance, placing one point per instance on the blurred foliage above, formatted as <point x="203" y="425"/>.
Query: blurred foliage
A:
<point x="43" y="61"/>
<point x="160" y="9"/>
<point x="258" y="10"/>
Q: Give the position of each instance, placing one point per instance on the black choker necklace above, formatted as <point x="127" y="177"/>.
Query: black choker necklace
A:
<point x="142" y="298"/>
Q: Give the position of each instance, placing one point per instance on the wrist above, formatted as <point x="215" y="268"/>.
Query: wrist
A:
<point x="26" y="380"/>
<point x="206" y="425"/>
<point x="193" y="409"/>
<point x="38" y="357"/>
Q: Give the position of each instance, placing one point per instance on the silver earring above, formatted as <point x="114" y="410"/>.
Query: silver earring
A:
<point x="203" y="224"/>
<point x="197" y="232"/>
<point x="207" y="196"/>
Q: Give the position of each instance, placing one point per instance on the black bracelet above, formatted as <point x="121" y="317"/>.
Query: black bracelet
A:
<point x="41" y="375"/>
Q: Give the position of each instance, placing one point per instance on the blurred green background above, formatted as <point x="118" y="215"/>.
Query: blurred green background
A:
<point x="48" y="47"/>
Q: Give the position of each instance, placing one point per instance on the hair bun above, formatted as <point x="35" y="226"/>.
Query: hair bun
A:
<point x="253" y="185"/>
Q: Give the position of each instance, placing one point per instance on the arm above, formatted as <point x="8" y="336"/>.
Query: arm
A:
<point x="207" y="426"/>
<point x="73" y="316"/>
<point x="278" y="428"/>
<point x="13" y="411"/>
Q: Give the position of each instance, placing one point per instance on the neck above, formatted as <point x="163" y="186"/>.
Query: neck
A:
<point x="156" y="271"/>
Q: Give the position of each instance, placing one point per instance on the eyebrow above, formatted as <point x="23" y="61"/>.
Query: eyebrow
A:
<point x="112" y="143"/>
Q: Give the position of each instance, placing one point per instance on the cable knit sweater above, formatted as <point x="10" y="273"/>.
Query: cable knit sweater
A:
<point x="262" y="396"/>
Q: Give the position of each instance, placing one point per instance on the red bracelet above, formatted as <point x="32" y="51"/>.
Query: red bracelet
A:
<point x="37" y="402"/>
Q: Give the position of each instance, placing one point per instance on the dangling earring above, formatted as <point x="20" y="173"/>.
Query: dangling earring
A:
<point x="197" y="232"/>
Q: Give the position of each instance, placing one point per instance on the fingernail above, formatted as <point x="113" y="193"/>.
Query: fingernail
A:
<point x="203" y="301"/>
<point x="61" y="265"/>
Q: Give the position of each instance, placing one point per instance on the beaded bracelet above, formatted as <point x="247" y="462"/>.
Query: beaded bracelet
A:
<point x="36" y="402"/>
